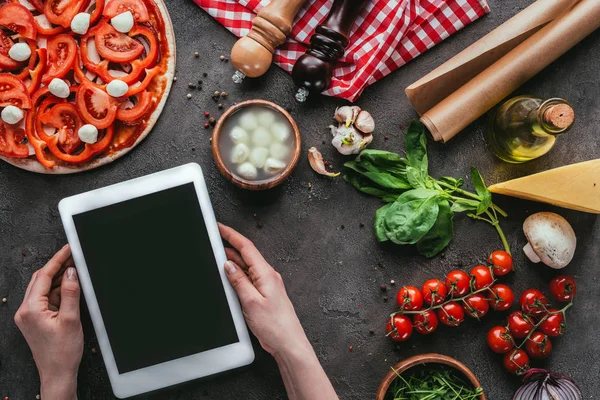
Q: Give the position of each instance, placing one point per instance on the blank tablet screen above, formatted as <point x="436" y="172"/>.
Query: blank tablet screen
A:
<point x="155" y="277"/>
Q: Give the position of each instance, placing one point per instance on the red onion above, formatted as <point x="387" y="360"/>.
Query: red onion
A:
<point x="539" y="384"/>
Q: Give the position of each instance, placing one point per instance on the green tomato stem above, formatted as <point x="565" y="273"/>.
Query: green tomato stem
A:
<point x="565" y="308"/>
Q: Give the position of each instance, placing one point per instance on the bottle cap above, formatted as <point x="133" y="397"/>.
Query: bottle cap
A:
<point x="560" y="116"/>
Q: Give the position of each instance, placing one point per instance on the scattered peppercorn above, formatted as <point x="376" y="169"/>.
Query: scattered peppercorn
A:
<point x="326" y="162"/>
<point x="193" y="149"/>
<point x="385" y="298"/>
<point x="38" y="397"/>
<point x="351" y="348"/>
<point x="196" y="54"/>
<point x="175" y="78"/>
<point x="189" y="95"/>
<point x="212" y="121"/>
<point x="4" y="299"/>
<point x="362" y="225"/>
<point x="206" y="125"/>
<point x="385" y="138"/>
<point x="392" y="282"/>
<point x="204" y="74"/>
<point x="443" y="255"/>
<point x="220" y="105"/>
<point x="324" y="142"/>
<point x="222" y="58"/>
<point x="383" y="287"/>
<point x="259" y="224"/>
<point x="224" y="94"/>
<point x="309" y="185"/>
<point x="192" y="85"/>
<point x="206" y="114"/>
<point x="199" y="81"/>
<point x="216" y="93"/>
<point x="342" y="227"/>
<point x="371" y="331"/>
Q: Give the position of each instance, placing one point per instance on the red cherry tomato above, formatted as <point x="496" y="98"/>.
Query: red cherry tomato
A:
<point x="95" y="106"/>
<point x="62" y="51"/>
<point x="538" y="345"/>
<point x="458" y="283"/>
<point x="434" y="292"/>
<point x="481" y="277"/>
<point x="12" y="143"/>
<point x="116" y="46"/>
<point x="533" y="302"/>
<point x="61" y="12"/>
<point x="17" y="18"/>
<point x="409" y="298"/>
<point x="501" y="297"/>
<point x="451" y="314"/>
<point x="520" y="325"/>
<point x="137" y="8"/>
<point x="500" y="340"/>
<point x="425" y="322"/>
<point x="501" y="262"/>
<point x="554" y="324"/>
<point x="563" y="288"/>
<point x="476" y="306"/>
<point x="399" y="328"/>
<point x="516" y="362"/>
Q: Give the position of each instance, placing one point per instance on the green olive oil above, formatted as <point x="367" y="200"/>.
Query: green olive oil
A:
<point x="526" y="127"/>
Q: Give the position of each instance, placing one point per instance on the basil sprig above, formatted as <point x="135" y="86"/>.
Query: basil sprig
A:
<point x="420" y="209"/>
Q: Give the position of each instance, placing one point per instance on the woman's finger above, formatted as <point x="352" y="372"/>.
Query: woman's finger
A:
<point x="236" y="257"/>
<point x="54" y="298"/>
<point x="43" y="281"/>
<point x="61" y="272"/>
<point x="248" y="251"/>
<point x="69" y="297"/>
<point x="241" y="283"/>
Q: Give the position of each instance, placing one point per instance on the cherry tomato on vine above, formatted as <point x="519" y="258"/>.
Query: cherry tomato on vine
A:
<point x="481" y="277"/>
<point x="516" y="362"/>
<point x="563" y="288"/>
<point x="451" y="314"/>
<point x="501" y="297"/>
<point x="520" y="325"/>
<point x="434" y="292"/>
<point x="399" y="328"/>
<point x="554" y="324"/>
<point x="426" y="322"/>
<point x="500" y="340"/>
<point x="458" y="283"/>
<point x="477" y="305"/>
<point x="538" y="345"/>
<point x="533" y="302"/>
<point x="409" y="298"/>
<point x="501" y="262"/>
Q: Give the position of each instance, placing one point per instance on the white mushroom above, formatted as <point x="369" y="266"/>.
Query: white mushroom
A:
<point x="551" y="239"/>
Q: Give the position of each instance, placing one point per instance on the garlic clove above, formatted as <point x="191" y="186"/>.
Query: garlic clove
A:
<point x="346" y="114"/>
<point x="316" y="162"/>
<point x="364" y="122"/>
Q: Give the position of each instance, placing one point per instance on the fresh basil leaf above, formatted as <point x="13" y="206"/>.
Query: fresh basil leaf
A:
<point x="380" y="157"/>
<point x="456" y="183"/>
<point x="380" y="223"/>
<point x="414" y="177"/>
<point x="440" y="234"/>
<point x="390" y="198"/>
<point x="411" y="216"/>
<point x="482" y="191"/>
<point x="383" y="179"/>
<point x="365" y="186"/>
<point x="416" y="146"/>
<point x="461" y="205"/>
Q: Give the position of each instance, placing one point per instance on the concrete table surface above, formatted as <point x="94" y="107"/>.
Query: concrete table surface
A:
<point x="333" y="269"/>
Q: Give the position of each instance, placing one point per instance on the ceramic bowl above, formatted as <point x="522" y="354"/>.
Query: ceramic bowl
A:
<point x="239" y="181"/>
<point x="420" y="359"/>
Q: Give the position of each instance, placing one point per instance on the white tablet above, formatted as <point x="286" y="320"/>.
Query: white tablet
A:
<point x="150" y="263"/>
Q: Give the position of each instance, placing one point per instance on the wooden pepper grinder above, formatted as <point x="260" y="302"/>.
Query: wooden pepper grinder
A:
<point x="313" y="70"/>
<point x="252" y="54"/>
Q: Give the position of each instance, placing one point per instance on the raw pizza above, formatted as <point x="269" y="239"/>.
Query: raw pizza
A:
<point x="82" y="81"/>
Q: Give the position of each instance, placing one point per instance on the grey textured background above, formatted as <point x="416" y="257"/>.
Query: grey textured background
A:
<point x="332" y="274"/>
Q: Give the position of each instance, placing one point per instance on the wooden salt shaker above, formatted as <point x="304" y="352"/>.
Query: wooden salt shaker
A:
<point x="313" y="70"/>
<point x="252" y="54"/>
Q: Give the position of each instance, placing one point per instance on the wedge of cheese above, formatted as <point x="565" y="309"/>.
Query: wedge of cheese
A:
<point x="575" y="186"/>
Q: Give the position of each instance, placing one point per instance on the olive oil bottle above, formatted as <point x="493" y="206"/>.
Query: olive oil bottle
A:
<point x="526" y="127"/>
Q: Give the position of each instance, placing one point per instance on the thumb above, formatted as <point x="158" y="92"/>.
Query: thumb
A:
<point x="240" y="283"/>
<point x="69" y="296"/>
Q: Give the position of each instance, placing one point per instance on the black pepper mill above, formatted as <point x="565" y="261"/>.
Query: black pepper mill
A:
<point x="313" y="70"/>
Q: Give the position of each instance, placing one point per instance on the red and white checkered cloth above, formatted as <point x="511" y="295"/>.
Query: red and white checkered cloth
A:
<point x="387" y="34"/>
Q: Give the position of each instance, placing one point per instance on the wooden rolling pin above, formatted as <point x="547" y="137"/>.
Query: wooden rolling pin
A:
<point x="252" y="55"/>
<point x="314" y="69"/>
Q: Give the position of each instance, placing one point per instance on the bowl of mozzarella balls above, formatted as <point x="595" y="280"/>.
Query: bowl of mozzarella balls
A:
<point x="256" y="144"/>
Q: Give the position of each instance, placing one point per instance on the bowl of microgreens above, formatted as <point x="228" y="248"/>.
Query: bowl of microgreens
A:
<point x="430" y="377"/>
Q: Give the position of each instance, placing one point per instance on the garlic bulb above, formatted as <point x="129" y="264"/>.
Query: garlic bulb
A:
<point x="353" y="132"/>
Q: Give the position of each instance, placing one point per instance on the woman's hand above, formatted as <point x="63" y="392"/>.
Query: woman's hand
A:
<point x="267" y="307"/>
<point x="49" y="320"/>
<point x="271" y="317"/>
